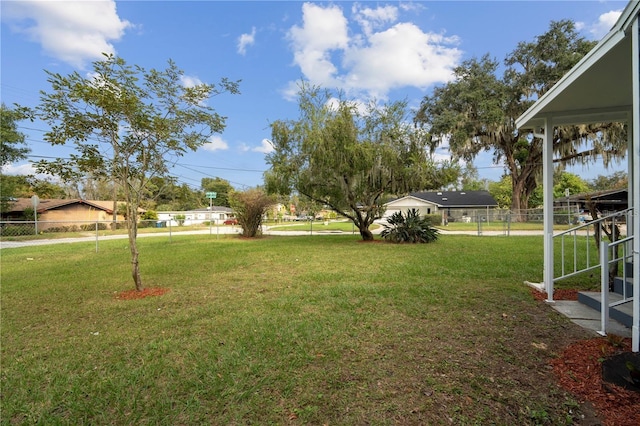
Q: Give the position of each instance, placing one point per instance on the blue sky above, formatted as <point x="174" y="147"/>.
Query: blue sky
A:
<point x="382" y="50"/>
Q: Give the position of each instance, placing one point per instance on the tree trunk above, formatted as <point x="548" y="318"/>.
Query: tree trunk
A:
<point x="135" y="265"/>
<point x="132" y="229"/>
<point x="366" y="234"/>
<point x="516" y="203"/>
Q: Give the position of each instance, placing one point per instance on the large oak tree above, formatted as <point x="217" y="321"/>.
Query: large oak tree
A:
<point x="127" y="124"/>
<point x="350" y="157"/>
<point x="12" y="141"/>
<point x="476" y="111"/>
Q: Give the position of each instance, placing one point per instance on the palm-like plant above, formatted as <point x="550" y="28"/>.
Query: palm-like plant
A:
<point x="409" y="228"/>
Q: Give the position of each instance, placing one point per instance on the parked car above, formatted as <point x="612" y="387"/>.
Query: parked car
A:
<point x="231" y="221"/>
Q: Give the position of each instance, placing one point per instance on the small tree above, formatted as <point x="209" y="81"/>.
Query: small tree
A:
<point x="250" y="207"/>
<point x="180" y="218"/>
<point x="127" y="124"/>
<point x="350" y="157"/>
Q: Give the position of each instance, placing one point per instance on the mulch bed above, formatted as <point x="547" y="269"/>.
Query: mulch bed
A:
<point x="558" y="294"/>
<point x="135" y="294"/>
<point x="579" y="371"/>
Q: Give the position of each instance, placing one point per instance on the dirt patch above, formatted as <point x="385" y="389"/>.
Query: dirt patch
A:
<point x="579" y="370"/>
<point x="135" y="294"/>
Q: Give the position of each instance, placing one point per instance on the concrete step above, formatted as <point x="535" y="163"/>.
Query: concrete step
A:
<point x="620" y="285"/>
<point x="622" y="313"/>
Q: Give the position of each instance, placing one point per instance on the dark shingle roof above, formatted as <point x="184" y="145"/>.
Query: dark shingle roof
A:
<point x="457" y="198"/>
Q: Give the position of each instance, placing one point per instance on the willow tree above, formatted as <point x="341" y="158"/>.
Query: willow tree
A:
<point x="351" y="157"/>
<point x="127" y="124"/>
<point x="476" y="111"/>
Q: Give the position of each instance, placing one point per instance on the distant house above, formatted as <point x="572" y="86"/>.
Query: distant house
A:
<point x="464" y="206"/>
<point x="59" y="212"/>
<point x="217" y="214"/>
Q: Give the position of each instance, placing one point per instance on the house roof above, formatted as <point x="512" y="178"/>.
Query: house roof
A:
<point x="597" y="89"/>
<point x="611" y="196"/>
<point x="461" y="199"/>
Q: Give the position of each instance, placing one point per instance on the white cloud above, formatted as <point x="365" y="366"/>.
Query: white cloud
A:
<point x="606" y="21"/>
<point x="216" y="143"/>
<point x="19" y="169"/>
<point x="371" y="19"/>
<point x="402" y="55"/>
<point x="265" y="147"/>
<point x="72" y="31"/>
<point x="323" y="31"/>
<point x="189" y="81"/>
<point x="246" y="40"/>
<point x="386" y="55"/>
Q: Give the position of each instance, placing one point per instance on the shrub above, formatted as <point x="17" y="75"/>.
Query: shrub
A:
<point x="92" y="227"/>
<point x="180" y="218"/>
<point x="9" y="230"/>
<point x="433" y="219"/>
<point x="149" y="215"/>
<point x="409" y="228"/>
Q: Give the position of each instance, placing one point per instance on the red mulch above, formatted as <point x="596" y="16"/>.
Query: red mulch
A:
<point x="579" y="371"/>
<point x="558" y="294"/>
<point x="135" y="294"/>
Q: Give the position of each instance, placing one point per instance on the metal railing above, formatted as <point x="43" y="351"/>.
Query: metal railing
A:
<point x="576" y="251"/>
<point x="609" y="256"/>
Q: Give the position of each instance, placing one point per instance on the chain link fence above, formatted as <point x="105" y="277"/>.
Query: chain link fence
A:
<point x="505" y="221"/>
<point x="21" y="233"/>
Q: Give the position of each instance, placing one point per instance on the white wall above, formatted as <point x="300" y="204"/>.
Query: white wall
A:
<point x="406" y="203"/>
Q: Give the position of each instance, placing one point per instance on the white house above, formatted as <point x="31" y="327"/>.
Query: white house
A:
<point x="604" y="87"/>
<point x="217" y="214"/>
<point x="452" y="205"/>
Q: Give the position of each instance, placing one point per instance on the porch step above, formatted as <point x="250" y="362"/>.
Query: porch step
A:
<point x="622" y="313"/>
<point x="620" y="285"/>
<point x="628" y="266"/>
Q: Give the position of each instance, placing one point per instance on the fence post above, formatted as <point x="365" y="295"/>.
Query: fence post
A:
<point x="96" y="236"/>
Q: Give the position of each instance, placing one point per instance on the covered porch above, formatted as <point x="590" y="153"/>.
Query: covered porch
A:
<point x="603" y="87"/>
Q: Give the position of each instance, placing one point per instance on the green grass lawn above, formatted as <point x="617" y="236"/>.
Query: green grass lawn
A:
<point x="282" y="330"/>
<point x="319" y="226"/>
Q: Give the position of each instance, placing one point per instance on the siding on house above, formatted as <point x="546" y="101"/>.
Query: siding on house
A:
<point x="60" y="212"/>
<point x="457" y="204"/>
<point x="218" y="215"/>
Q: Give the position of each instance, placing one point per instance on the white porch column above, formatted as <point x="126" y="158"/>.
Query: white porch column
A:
<point x="635" y="194"/>
<point x="547" y="183"/>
